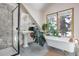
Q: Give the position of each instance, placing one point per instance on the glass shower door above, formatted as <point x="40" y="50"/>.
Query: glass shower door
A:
<point x="8" y="33"/>
<point x="15" y="28"/>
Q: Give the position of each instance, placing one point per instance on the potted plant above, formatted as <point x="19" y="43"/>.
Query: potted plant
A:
<point x="45" y="27"/>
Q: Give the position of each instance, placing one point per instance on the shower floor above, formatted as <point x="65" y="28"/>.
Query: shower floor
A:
<point x="7" y="51"/>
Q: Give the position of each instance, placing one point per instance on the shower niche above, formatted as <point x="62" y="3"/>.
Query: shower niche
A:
<point x="8" y="34"/>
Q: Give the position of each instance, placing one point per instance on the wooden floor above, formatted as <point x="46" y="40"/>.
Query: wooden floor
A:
<point x="54" y="52"/>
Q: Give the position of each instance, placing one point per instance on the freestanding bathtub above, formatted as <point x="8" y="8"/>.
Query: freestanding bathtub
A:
<point x="61" y="43"/>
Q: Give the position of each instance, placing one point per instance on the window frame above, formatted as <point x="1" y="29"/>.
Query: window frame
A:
<point x="72" y="21"/>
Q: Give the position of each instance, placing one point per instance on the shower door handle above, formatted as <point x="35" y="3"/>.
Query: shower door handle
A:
<point x="16" y="28"/>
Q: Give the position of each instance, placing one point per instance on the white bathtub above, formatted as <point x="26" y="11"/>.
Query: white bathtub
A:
<point x="60" y="43"/>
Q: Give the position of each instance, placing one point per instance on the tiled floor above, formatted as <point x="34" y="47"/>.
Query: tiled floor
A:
<point x="36" y="50"/>
<point x="7" y="52"/>
<point x="33" y="50"/>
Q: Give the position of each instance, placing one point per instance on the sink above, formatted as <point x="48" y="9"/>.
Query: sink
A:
<point x="27" y="38"/>
<point x="25" y="32"/>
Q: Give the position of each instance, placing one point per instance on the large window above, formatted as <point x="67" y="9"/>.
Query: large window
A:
<point x="52" y="24"/>
<point x="61" y="23"/>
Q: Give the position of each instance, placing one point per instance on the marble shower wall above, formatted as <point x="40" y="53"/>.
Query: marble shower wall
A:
<point x="5" y="26"/>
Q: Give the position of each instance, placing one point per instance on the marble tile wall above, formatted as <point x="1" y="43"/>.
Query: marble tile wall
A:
<point x="5" y="26"/>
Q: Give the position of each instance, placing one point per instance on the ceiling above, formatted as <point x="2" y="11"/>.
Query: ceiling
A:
<point x="39" y="6"/>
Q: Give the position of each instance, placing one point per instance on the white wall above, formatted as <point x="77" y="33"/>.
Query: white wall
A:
<point x="26" y="21"/>
<point x="62" y="6"/>
<point x="35" y="13"/>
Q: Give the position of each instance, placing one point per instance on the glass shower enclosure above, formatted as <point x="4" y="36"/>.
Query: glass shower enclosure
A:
<point x="9" y="29"/>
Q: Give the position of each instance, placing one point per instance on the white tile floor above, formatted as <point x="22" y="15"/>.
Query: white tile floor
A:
<point x="33" y="50"/>
<point x="7" y="52"/>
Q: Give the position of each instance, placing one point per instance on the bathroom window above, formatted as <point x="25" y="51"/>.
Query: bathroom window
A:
<point x="61" y="23"/>
<point x="52" y="24"/>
